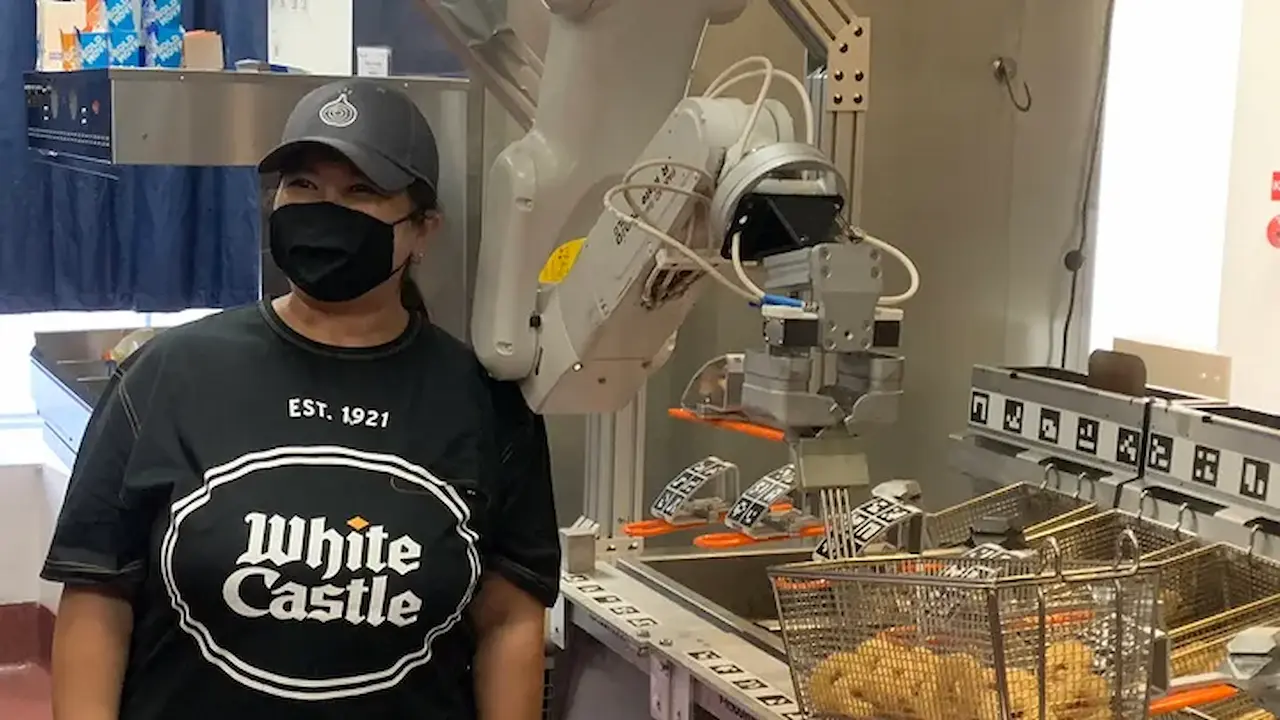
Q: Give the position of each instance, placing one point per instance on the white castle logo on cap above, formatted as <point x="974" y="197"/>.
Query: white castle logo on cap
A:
<point x="339" y="112"/>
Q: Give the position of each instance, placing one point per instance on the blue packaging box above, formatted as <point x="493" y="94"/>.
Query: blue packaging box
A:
<point x="122" y="16"/>
<point x="164" y="14"/>
<point x="126" y="49"/>
<point x="95" y="50"/>
<point x="164" y="47"/>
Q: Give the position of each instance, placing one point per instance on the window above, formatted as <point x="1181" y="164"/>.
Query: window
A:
<point x="17" y="336"/>
<point x="1166" y="157"/>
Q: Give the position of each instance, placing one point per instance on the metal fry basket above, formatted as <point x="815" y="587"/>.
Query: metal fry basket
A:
<point x="1202" y="592"/>
<point x="1217" y="591"/>
<point x="1040" y="509"/>
<point x="939" y="638"/>
<point x="1095" y="538"/>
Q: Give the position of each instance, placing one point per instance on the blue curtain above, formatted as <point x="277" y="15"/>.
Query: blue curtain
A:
<point x="416" y="47"/>
<point x="155" y="239"/>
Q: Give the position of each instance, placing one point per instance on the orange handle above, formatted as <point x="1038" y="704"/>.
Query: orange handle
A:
<point x="721" y="541"/>
<point x="648" y="528"/>
<point x="1191" y="698"/>
<point x="757" y="431"/>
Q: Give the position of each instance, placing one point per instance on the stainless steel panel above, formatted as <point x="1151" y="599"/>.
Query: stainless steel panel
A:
<point x="77" y="348"/>
<point x="68" y="378"/>
<point x="179" y="117"/>
<point x="730" y="590"/>
<point x="1225" y="454"/>
<point x="446" y="276"/>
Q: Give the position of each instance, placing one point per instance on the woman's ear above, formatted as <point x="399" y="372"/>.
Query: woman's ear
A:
<point x="424" y="229"/>
<point x="431" y="223"/>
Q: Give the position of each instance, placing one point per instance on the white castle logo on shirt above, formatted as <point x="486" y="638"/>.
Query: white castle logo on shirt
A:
<point x="366" y="551"/>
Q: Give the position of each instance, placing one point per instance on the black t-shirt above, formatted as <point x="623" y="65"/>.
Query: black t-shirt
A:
<point x="300" y="528"/>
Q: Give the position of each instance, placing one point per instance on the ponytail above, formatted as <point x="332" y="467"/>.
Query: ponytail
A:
<point x="410" y="297"/>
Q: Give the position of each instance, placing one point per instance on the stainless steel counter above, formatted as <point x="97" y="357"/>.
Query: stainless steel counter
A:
<point x="673" y="636"/>
<point x="68" y="378"/>
<point x="729" y="590"/>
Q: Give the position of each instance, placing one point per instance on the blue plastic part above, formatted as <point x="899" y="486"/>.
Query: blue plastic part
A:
<point x="782" y="300"/>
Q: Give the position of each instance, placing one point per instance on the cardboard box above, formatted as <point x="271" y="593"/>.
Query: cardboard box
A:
<point x="163" y="47"/>
<point x="123" y="15"/>
<point x="165" y="14"/>
<point x="95" y="16"/>
<point x="70" y="53"/>
<point x="202" y="50"/>
<point x="57" y="19"/>
<point x="126" y="49"/>
<point x="95" y="50"/>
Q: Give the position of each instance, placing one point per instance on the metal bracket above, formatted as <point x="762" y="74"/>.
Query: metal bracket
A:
<point x="558" y="624"/>
<point x="848" y="59"/>
<point x="670" y="690"/>
<point x="578" y="546"/>
<point x="611" y="549"/>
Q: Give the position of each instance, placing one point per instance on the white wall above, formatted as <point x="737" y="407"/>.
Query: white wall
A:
<point x="1166" y="161"/>
<point x="23" y="532"/>
<point x="1249" y="323"/>
<point x="32" y="486"/>
<point x="53" y="487"/>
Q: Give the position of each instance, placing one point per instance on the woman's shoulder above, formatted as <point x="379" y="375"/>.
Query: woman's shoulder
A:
<point x="197" y="343"/>
<point x="504" y="396"/>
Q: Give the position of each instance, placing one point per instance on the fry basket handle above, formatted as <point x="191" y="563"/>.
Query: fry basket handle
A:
<point x="1052" y="560"/>
<point x="1128" y="540"/>
<point x="1051" y="471"/>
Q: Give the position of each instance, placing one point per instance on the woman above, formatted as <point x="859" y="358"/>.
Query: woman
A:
<point x="319" y="506"/>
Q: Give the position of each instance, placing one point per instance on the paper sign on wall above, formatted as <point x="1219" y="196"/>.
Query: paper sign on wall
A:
<point x="315" y="36"/>
<point x="373" y="61"/>
<point x="1275" y="186"/>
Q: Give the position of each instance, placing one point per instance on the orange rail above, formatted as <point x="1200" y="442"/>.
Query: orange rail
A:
<point x="762" y="432"/>
<point x="724" y="540"/>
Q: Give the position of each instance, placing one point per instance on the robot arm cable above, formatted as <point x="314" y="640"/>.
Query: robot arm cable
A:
<point x="745" y="287"/>
<point x="640" y="219"/>
<point x="912" y="273"/>
<point x="727" y="79"/>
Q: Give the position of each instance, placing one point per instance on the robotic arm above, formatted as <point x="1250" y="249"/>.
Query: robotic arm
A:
<point x="665" y="191"/>
<point x="718" y="183"/>
<point x="613" y="72"/>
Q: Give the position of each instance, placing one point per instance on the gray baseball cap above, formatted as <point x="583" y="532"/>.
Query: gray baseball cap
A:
<point x="377" y="128"/>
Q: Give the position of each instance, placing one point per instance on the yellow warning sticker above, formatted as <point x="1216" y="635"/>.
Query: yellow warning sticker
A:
<point x="560" y="262"/>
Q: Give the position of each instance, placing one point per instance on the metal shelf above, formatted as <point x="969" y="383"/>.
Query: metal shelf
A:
<point x="152" y="116"/>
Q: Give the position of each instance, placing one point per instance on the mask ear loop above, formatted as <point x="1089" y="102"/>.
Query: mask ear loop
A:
<point x="413" y="257"/>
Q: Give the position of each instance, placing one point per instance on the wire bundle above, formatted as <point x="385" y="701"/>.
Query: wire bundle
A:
<point x="744" y="287"/>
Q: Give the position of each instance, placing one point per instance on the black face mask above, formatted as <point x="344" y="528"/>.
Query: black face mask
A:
<point x="331" y="252"/>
